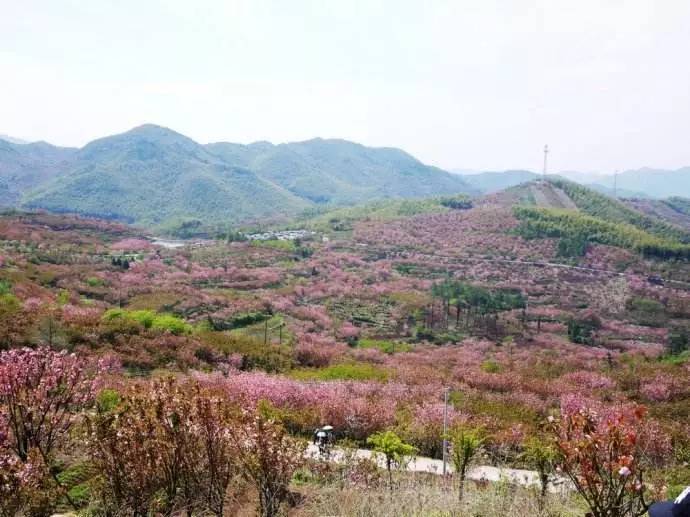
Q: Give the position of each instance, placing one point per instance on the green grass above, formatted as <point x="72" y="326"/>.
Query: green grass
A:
<point x="387" y="347"/>
<point x="284" y="245"/>
<point x="257" y="328"/>
<point x="149" y="320"/>
<point x="677" y="359"/>
<point x="343" y="219"/>
<point x="343" y="371"/>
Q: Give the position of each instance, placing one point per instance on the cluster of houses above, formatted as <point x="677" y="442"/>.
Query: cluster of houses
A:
<point x="283" y="235"/>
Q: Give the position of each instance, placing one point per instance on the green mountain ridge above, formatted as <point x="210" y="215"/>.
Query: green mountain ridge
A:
<point x="152" y="175"/>
<point x="23" y="166"/>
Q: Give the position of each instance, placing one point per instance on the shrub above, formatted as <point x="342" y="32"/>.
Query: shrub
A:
<point x="255" y="355"/>
<point x="94" y="281"/>
<point x="148" y="320"/>
<point x="267" y="457"/>
<point x="170" y="323"/>
<point x="541" y="455"/>
<point x="162" y="447"/>
<point x="394" y="450"/>
<point x="465" y="443"/>
<point x="581" y="329"/>
<point x="387" y="347"/>
<point x="343" y="371"/>
<point x="603" y="455"/>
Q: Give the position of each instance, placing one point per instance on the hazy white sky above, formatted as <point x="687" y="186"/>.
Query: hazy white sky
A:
<point x="479" y="84"/>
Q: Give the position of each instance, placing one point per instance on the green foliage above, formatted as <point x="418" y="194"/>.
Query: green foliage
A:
<point x="483" y="300"/>
<point x="581" y="329"/>
<point x="9" y="304"/>
<point x="184" y="228"/>
<point x="646" y="311"/>
<point x="194" y="185"/>
<point x="393" y="449"/>
<point x="546" y="222"/>
<point x="244" y="319"/>
<point x="63" y="297"/>
<point x="611" y="210"/>
<point x="343" y="219"/>
<point x="170" y="323"/>
<point x="390" y="445"/>
<point x="490" y="366"/>
<point x="387" y="347"/>
<point x="572" y="246"/>
<point x="678" y="341"/>
<point x="255" y="355"/>
<point x="76" y="479"/>
<point x="107" y="400"/>
<point x="343" y="371"/>
<point x="277" y="244"/>
<point x="465" y="443"/>
<point x="94" y="281"/>
<point x="5" y="287"/>
<point x="540" y="455"/>
<point x="456" y="202"/>
<point x="148" y="320"/>
<point x="537" y="452"/>
<point x="679" y="204"/>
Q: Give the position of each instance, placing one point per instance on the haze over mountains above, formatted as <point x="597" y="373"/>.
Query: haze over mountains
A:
<point x="152" y="175"/>
<point x="644" y="182"/>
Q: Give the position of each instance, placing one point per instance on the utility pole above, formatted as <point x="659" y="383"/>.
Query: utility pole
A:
<point x="615" y="184"/>
<point x="546" y="153"/>
<point x="445" y="430"/>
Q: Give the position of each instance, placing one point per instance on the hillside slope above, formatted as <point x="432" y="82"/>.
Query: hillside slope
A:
<point x="23" y="166"/>
<point x="488" y="182"/>
<point x="151" y="175"/>
<point x="658" y="183"/>
<point x="675" y="210"/>
<point x="341" y="172"/>
<point x="560" y="194"/>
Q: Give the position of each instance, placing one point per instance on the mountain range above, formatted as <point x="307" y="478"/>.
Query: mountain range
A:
<point x="152" y="175"/>
<point x="639" y="183"/>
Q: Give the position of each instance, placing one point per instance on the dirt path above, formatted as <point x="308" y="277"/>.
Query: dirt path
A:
<point x="433" y="466"/>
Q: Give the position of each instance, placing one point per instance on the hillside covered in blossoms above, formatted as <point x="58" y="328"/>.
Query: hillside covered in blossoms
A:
<point x="139" y="378"/>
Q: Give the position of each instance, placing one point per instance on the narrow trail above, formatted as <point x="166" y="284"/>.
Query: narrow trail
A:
<point x="434" y="466"/>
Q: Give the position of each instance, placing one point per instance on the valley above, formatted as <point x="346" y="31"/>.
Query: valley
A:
<point x="364" y="318"/>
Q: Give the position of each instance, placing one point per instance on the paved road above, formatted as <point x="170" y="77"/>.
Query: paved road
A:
<point x="433" y="466"/>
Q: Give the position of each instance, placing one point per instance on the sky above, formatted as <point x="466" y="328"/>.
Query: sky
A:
<point x="478" y="85"/>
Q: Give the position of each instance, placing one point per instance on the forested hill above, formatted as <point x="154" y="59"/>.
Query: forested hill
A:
<point x="580" y="216"/>
<point x="152" y="175"/>
<point x="342" y="172"/>
<point x="23" y="166"/>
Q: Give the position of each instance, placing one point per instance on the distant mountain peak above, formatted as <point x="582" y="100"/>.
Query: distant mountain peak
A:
<point x="13" y="140"/>
<point x="153" y="130"/>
